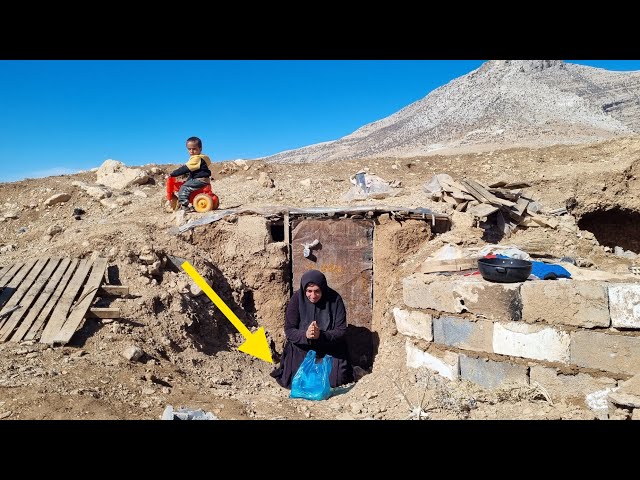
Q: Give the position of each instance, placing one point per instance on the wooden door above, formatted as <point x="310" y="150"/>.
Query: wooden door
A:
<point x="345" y="255"/>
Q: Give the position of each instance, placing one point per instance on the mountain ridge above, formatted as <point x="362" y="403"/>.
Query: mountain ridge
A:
<point x="501" y="104"/>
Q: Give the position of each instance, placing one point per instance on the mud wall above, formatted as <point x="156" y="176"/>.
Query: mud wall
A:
<point x="393" y="242"/>
<point x="252" y="271"/>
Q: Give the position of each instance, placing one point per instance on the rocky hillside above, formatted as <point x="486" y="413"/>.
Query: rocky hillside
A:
<point x="502" y="104"/>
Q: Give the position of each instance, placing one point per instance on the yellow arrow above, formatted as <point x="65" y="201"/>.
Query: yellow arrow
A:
<point x="256" y="343"/>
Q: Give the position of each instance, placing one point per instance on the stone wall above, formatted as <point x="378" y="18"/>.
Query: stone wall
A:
<point x="579" y="340"/>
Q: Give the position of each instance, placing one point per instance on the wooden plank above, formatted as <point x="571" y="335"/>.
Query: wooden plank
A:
<point x="528" y="222"/>
<point x="287" y="233"/>
<point x="114" y="290"/>
<point x="460" y="195"/>
<point x="80" y="309"/>
<point x="21" y="290"/>
<point x="487" y="194"/>
<point x="503" y="225"/>
<point x="9" y="274"/>
<point x="453" y="265"/>
<point x="509" y="185"/>
<point x="474" y="193"/>
<point x="42" y="277"/>
<point x="42" y="316"/>
<point x="448" y="199"/>
<point x="461" y="206"/>
<point x="505" y="194"/>
<point x="545" y="221"/>
<point x="521" y="206"/>
<point x="110" y="312"/>
<point x="12" y="286"/>
<point x="3" y="270"/>
<point x="63" y="306"/>
<point x="559" y="211"/>
<point x="42" y="300"/>
<point x="453" y="185"/>
<point x="482" y="210"/>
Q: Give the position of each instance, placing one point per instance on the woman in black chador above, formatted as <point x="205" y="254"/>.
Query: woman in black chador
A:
<point x="315" y="320"/>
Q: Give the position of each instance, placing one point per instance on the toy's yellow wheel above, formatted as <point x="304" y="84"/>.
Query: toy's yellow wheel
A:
<point x="202" y="203"/>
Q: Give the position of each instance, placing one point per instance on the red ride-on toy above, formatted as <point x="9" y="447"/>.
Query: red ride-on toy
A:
<point x="203" y="199"/>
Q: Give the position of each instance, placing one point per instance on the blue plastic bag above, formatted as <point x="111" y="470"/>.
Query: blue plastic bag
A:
<point x="311" y="381"/>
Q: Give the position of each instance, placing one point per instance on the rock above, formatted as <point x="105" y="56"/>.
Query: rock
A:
<point x="306" y="182"/>
<point x="58" y="198"/>
<point x="154" y="269"/>
<point x="147" y="258"/>
<point x="96" y="191"/>
<point x="54" y="230"/>
<point x="140" y="193"/>
<point x="109" y="203"/>
<point x="133" y="353"/>
<point x="345" y="416"/>
<point x="115" y="174"/>
<point x="265" y="180"/>
<point x="182" y="286"/>
<point x="195" y="290"/>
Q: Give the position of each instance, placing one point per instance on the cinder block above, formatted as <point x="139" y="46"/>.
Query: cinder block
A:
<point x="599" y="403"/>
<point x="531" y="341"/>
<point x="491" y="374"/>
<point x="604" y="351"/>
<point x="582" y="304"/>
<point x="448" y="365"/>
<point x="495" y="301"/>
<point x="463" y="333"/>
<point x="574" y="388"/>
<point x="624" y="305"/>
<point x="414" y="323"/>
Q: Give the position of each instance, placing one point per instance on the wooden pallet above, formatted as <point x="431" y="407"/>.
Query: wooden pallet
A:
<point x="47" y="299"/>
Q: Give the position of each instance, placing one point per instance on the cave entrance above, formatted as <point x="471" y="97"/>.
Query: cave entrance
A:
<point x="614" y="227"/>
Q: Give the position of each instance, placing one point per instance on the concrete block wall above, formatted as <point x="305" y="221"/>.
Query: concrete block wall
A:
<point x="525" y="332"/>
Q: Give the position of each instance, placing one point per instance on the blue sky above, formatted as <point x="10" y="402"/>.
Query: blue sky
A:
<point x="62" y="116"/>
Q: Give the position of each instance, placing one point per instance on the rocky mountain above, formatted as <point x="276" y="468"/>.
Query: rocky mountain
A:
<point x="502" y="104"/>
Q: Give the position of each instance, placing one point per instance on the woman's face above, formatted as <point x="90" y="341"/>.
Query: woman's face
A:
<point x="313" y="292"/>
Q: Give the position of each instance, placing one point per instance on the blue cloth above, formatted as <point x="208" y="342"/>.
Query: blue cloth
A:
<point x="546" y="271"/>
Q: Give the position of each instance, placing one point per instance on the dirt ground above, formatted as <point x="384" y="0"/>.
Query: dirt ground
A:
<point x="90" y="379"/>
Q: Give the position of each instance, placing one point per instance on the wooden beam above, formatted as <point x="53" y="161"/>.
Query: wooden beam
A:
<point x="520" y="207"/>
<point x="109" y="312"/>
<point x="114" y="290"/>
<point x="487" y="194"/>
<point x="482" y="210"/>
